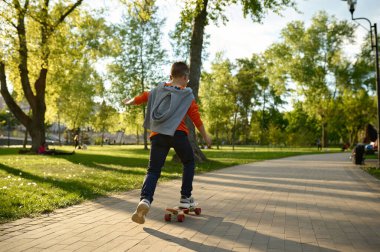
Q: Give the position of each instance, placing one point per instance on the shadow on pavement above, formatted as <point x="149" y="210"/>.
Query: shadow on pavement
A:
<point x="183" y="242"/>
<point x="250" y="239"/>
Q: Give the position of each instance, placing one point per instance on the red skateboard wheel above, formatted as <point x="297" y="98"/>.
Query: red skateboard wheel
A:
<point x="168" y="217"/>
<point x="197" y="211"/>
<point x="180" y="217"/>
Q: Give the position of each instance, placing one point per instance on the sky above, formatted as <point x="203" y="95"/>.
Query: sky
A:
<point x="240" y="37"/>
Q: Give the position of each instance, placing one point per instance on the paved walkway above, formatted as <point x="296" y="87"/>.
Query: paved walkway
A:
<point x="306" y="203"/>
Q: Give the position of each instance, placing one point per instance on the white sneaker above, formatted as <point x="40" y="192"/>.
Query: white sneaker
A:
<point x="186" y="202"/>
<point x="142" y="209"/>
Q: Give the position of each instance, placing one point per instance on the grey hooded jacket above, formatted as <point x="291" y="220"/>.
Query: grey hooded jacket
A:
<point x="167" y="106"/>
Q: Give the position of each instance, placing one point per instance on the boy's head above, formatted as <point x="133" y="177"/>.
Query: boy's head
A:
<point x="180" y="73"/>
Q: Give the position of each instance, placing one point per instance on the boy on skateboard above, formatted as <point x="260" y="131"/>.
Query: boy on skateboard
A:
<point x="168" y="105"/>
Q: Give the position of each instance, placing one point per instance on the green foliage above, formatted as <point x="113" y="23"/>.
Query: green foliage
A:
<point x="6" y="118"/>
<point x="362" y="73"/>
<point x="105" y="118"/>
<point x="181" y="41"/>
<point x="138" y="54"/>
<point x="255" y="9"/>
<point x="256" y="92"/>
<point x="217" y="98"/>
<point x="139" y="57"/>
<point x="316" y="54"/>
<point x="132" y="121"/>
<point x="353" y="111"/>
<point x="75" y="81"/>
<point x="302" y="130"/>
<point x="312" y="58"/>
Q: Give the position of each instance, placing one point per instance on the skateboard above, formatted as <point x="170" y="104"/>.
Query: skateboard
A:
<point x="180" y="212"/>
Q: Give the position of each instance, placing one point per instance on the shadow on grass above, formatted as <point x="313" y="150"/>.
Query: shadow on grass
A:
<point x="103" y="162"/>
<point x="135" y="150"/>
<point x="82" y="188"/>
<point x="9" y="151"/>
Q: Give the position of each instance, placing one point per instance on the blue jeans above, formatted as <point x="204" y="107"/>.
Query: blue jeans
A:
<point x="160" y="146"/>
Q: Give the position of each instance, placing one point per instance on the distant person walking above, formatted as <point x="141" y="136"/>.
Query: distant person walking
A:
<point x="76" y="141"/>
<point x="319" y="145"/>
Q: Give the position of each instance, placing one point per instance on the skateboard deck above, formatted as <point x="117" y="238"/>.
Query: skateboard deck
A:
<point x="180" y="212"/>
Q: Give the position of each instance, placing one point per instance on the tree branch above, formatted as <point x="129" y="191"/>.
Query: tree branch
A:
<point x="10" y="22"/>
<point x="64" y="15"/>
<point x="26" y="4"/>
<point x="23" y="10"/>
<point x="12" y="105"/>
<point x="23" y="53"/>
<point x="8" y="19"/>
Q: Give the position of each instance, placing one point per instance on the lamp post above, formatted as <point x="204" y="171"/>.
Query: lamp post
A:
<point x="374" y="45"/>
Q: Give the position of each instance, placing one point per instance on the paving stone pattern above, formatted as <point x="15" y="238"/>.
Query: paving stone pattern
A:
<point x="306" y="203"/>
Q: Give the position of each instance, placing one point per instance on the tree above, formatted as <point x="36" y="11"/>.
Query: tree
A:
<point x="313" y="60"/>
<point x="200" y="13"/>
<point x="104" y="118"/>
<point x="301" y="129"/>
<point x="248" y="75"/>
<point x="256" y="91"/>
<point x="139" y="59"/>
<point x="362" y="74"/>
<point x="181" y="42"/>
<point x="355" y="106"/>
<point x="45" y="18"/>
<point x="132" y="121"/>
<point x="73" y="76"/>
<point x="217" y="102"/>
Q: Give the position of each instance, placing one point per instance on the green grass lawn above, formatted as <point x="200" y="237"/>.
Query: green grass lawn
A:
<point x="372" y="170"/>
<point x="35" y="184"/>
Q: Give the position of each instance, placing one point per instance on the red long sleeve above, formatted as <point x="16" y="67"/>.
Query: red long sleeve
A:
<point x="142" y="98"/>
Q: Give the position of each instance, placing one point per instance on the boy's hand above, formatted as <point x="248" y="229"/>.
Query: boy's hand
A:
<point x="128" y="101"/>
<point x="205" y="136"/>
<point x="208" y="141"/>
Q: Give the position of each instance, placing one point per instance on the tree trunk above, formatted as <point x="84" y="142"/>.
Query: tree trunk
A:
<point x="38" y="114"/>
<point x="263" y="120"/>
<point x="246" y="129"/>
<point x="25" y="139"/>
<point x="81" y="137"/>
<point x="196" y="46"/>
<point x="121" y="138"/>
<point x="35" y="124"/>
<point x="59" y="131"/>
<point x="217" y="137"/>
<point x="198" y="154"/>
<point x="324" y="135"/>
<point x="234" y="131"/>
<point x="37" y="134"/>
<point x="137" y="136"/>
<point x="101" y="144"/>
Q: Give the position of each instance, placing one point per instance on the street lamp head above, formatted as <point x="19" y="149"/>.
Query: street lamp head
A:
<point x="352" y="5"/>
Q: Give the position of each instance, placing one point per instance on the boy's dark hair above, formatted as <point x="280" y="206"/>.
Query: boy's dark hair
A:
<point x="179" y="69"/>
